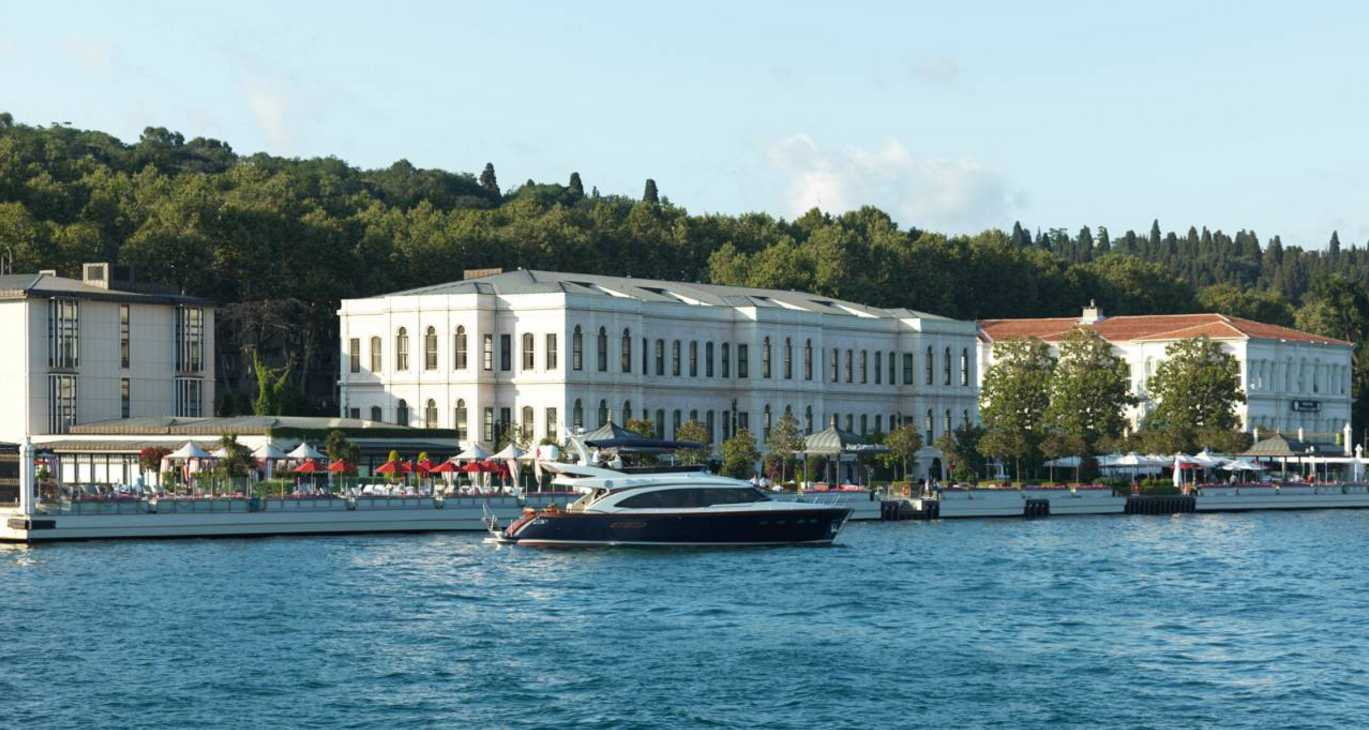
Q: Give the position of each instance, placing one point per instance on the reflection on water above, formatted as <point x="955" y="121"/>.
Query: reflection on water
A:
<point x="1244" y="621"/>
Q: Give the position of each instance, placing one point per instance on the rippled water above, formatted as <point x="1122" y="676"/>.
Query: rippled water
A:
<point x="1229" y="621"/>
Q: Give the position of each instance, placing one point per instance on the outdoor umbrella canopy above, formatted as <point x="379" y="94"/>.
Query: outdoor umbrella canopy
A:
<point x="219" y="453"/>
<point x="268" y="450"/>
<point x="473" y="452"/>
<point x="832" y="441"/>
<point x="308" y="467"/>
<point x="340" y="466"/>
<point x="509" y="452"/>
<point x="445" y="467"/>
<point x="471" y="468"/>
<point x="1240" y="465"/>
<point x="190" y="451"/>
<point x="389" y="467"/>
<point x="1206" y="459"/>
<point x="425" y="466"/>
<point x="305" y="451"/>
<point x="1178" y="471"/>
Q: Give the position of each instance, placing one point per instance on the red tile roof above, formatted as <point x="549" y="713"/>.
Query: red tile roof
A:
<point x="1150" y="327"/>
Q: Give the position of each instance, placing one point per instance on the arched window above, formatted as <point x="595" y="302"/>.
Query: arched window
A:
<point x="376" y="414"/>
<point x="964" y="417"/>
<point x="676" y="419"/>
<point x="879" y="370"/>
<point x="788" y="359"/>
<point x="765" y="358"/>
<point x="529" y="352"/>
<point x="460" y="358"/>
<point x="577" y="349"/>
<point x="864" y="366"/>
<point x="946" y="424"/>
<point x="930" y="426"/>
<point x="675" y="358"/>
<point x="627" y="412"/>
<point x="660" y="423"/>
<point x="461" y="418"/>
<point x="602" y="350"/>
<point x="430" y="349"/>
<point x="808" y="419"/>
<point x="551" y="353"/>
<point x="879" y="422"/>
<point x="660" y="357"/>
<point x="893" y="362"/>
<point x="946" y="367"/>
<point x="850" y="422"/>
<point x="931" y="364"/>
<point x="708" y="359"/>
<point x="627" y="352"/>
<point x="708" y="425"/>
<point x="430" y="414"/>
<point x="377" y="364"/>
<point x="528" y="424"/>
<point x="577" y="416"/>
<point x="964" y="366"/>
<point x="864" y="424"/>
<point x="1316" y="376"/>
<point x="603" y="413"/>
<point x="850" y="366"/>
<point x="402" y="413"/>
<point x="765" y="423"/>
<point x="693" y="358"/>
<point x="402" y="349"/>
<point x="808" y="360"/>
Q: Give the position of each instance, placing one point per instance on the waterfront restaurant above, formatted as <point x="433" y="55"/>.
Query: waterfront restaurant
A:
<point x="106" y="452"/>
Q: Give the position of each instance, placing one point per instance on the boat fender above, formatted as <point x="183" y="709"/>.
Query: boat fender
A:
<point x="351" y="503"/>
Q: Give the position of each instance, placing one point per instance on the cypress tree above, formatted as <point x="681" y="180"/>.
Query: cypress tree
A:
<point x="1153" y="243"/>
<point x="1333" y="248"/>
<point x="577" y="188"/>
<point x="487" y="179"/>
<point x="1104" y="241"/>
<point x="650" y="194"/>
<point x="1019" y="236"/>
<point x="1085" y="243"/>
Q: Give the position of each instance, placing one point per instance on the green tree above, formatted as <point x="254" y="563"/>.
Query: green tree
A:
<point x="785" y="439"/>
<point x="1262" y="306"/>
<point x="271" y="386"/>
<point x="692" y="431"/>
<point x="740" y="455"/>
<point x="488" y="180"/>
<point x="237" y="461"/>
<point x="1059" y="444"/>
<point x="961" y="449"/>
<point x="1016" y="395"/>
<point x="1005" y="443"/>
<point x="1089" y="392"/>
<point x="576" y="187"/>
<point x="1196" y="386"/>
<point x="904" y="442"/>
<point x="650" y="195"/>
<point x="643" y="427"/>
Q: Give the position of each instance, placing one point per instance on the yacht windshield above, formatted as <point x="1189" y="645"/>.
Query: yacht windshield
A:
<point x="693" y="497"/>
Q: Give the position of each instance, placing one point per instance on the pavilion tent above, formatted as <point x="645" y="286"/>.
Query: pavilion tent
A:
<point x="473" y="452"/>
<point x="836" y="442"/>
<point x="305" y="451"/>
<point x="269" y="454"/>
<point x="191" y="451"/>
<point x="1278" y="447"/>
<point x="613" y="436"/>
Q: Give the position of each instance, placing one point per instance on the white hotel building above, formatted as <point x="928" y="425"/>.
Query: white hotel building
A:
<point x="99" y="349"/>
<point x="554" y="353"/>
<point x="1295" y="382"/>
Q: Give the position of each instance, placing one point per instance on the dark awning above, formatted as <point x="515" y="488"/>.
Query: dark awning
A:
<point x="613" y="436"/>
<point x="832" y="441"/>
<point x="1277" y="446"/>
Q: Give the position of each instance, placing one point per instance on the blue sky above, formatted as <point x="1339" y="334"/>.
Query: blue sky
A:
<point x="951" y="116"/>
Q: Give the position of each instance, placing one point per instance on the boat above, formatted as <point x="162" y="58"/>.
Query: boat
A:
<point x="668" y="508"/>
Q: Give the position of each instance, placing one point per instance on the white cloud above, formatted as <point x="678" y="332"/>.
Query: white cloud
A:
<point x="271" y="110"/>
<point x="952" y="195"/>
<point x="95" y="53"/>
<point x="938" y="68"/>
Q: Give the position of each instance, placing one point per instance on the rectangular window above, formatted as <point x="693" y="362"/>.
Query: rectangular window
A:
<point x="743" y="356"/>
<point x="693" y="359"/>
<point x="505" y="352"/>
<point x="354" y="354"/>
<point x="460" y="420"/>
<point x="708" y="359"/>
<point x="189" y="397"/>
<point x="930" y="366"/>
<point x="907" y="368"/>
<point x="487" y="352"/>
<point x="487" y="426"/>
<point x="125" y="339"/>
<point x="850" y="366"/>
<point x="505" y="420"/>
<point x="376" y="364"/>
<point x="675" y="358"/>
<point x="354" y="413"/>
<point x="893" y="362"/>
<point x="964" y="367"/>
<point x="64" y="328"/>
<point x="864" y="367"/>
<point x="879" y="367"/>
<point x="743" y="420"/>
<point x="660" y="357"/>
<point x="529" y="356"/>
<point x="551" y="423"/>
<point x="189" y="339"/>
<point x="61" y="403"/>
<point x="459" y="359"/>
<point x="551" y="352"/>
<point x="836" y="366"/>
<point x="125" y="397"/>
<point x="726" y="357"/>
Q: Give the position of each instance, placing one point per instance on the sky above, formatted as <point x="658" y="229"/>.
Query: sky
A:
<point x="953" y="117"/>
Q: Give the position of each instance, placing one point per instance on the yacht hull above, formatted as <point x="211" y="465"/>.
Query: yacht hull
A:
<point x="717" y="529"/>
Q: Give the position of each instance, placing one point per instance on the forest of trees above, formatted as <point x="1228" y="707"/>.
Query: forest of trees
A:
<point x="277" y="242"/>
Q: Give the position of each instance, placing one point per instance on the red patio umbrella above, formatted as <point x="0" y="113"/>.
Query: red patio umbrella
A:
<point x="407" y="466"/>
<point x="472" y="467"/>
<point x="445" y="467"/>
<point x="389" y="467"/>
<point x="308" y="467"/>
<point x="425" y="466"/>
<point x="340" y="466"/>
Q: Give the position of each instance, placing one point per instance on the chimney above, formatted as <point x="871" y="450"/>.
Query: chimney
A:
<point x="107" y="275"/>
<point x="1093" y="314"/>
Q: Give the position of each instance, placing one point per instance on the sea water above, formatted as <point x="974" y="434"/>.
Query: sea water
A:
<point x="1231" y="621"/>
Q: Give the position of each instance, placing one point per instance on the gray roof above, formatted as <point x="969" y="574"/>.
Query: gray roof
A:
<point x="1277" y="446"/>
<point x="42" y="286"/>
<point x="833" y="440"/>
<point x="242" y="425"/>
<point x="526" y="281"/>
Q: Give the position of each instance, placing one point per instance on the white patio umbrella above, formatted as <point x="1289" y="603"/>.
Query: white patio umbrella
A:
<point x="305" y="451"/>
<point x="473" y="452"/>
<point x="1178" y="471"/>
<point x="269" y="453"/>
<point x="1240" y="465"/>
<point x="1206" y="459"/>
<point x="508" y="453"/>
